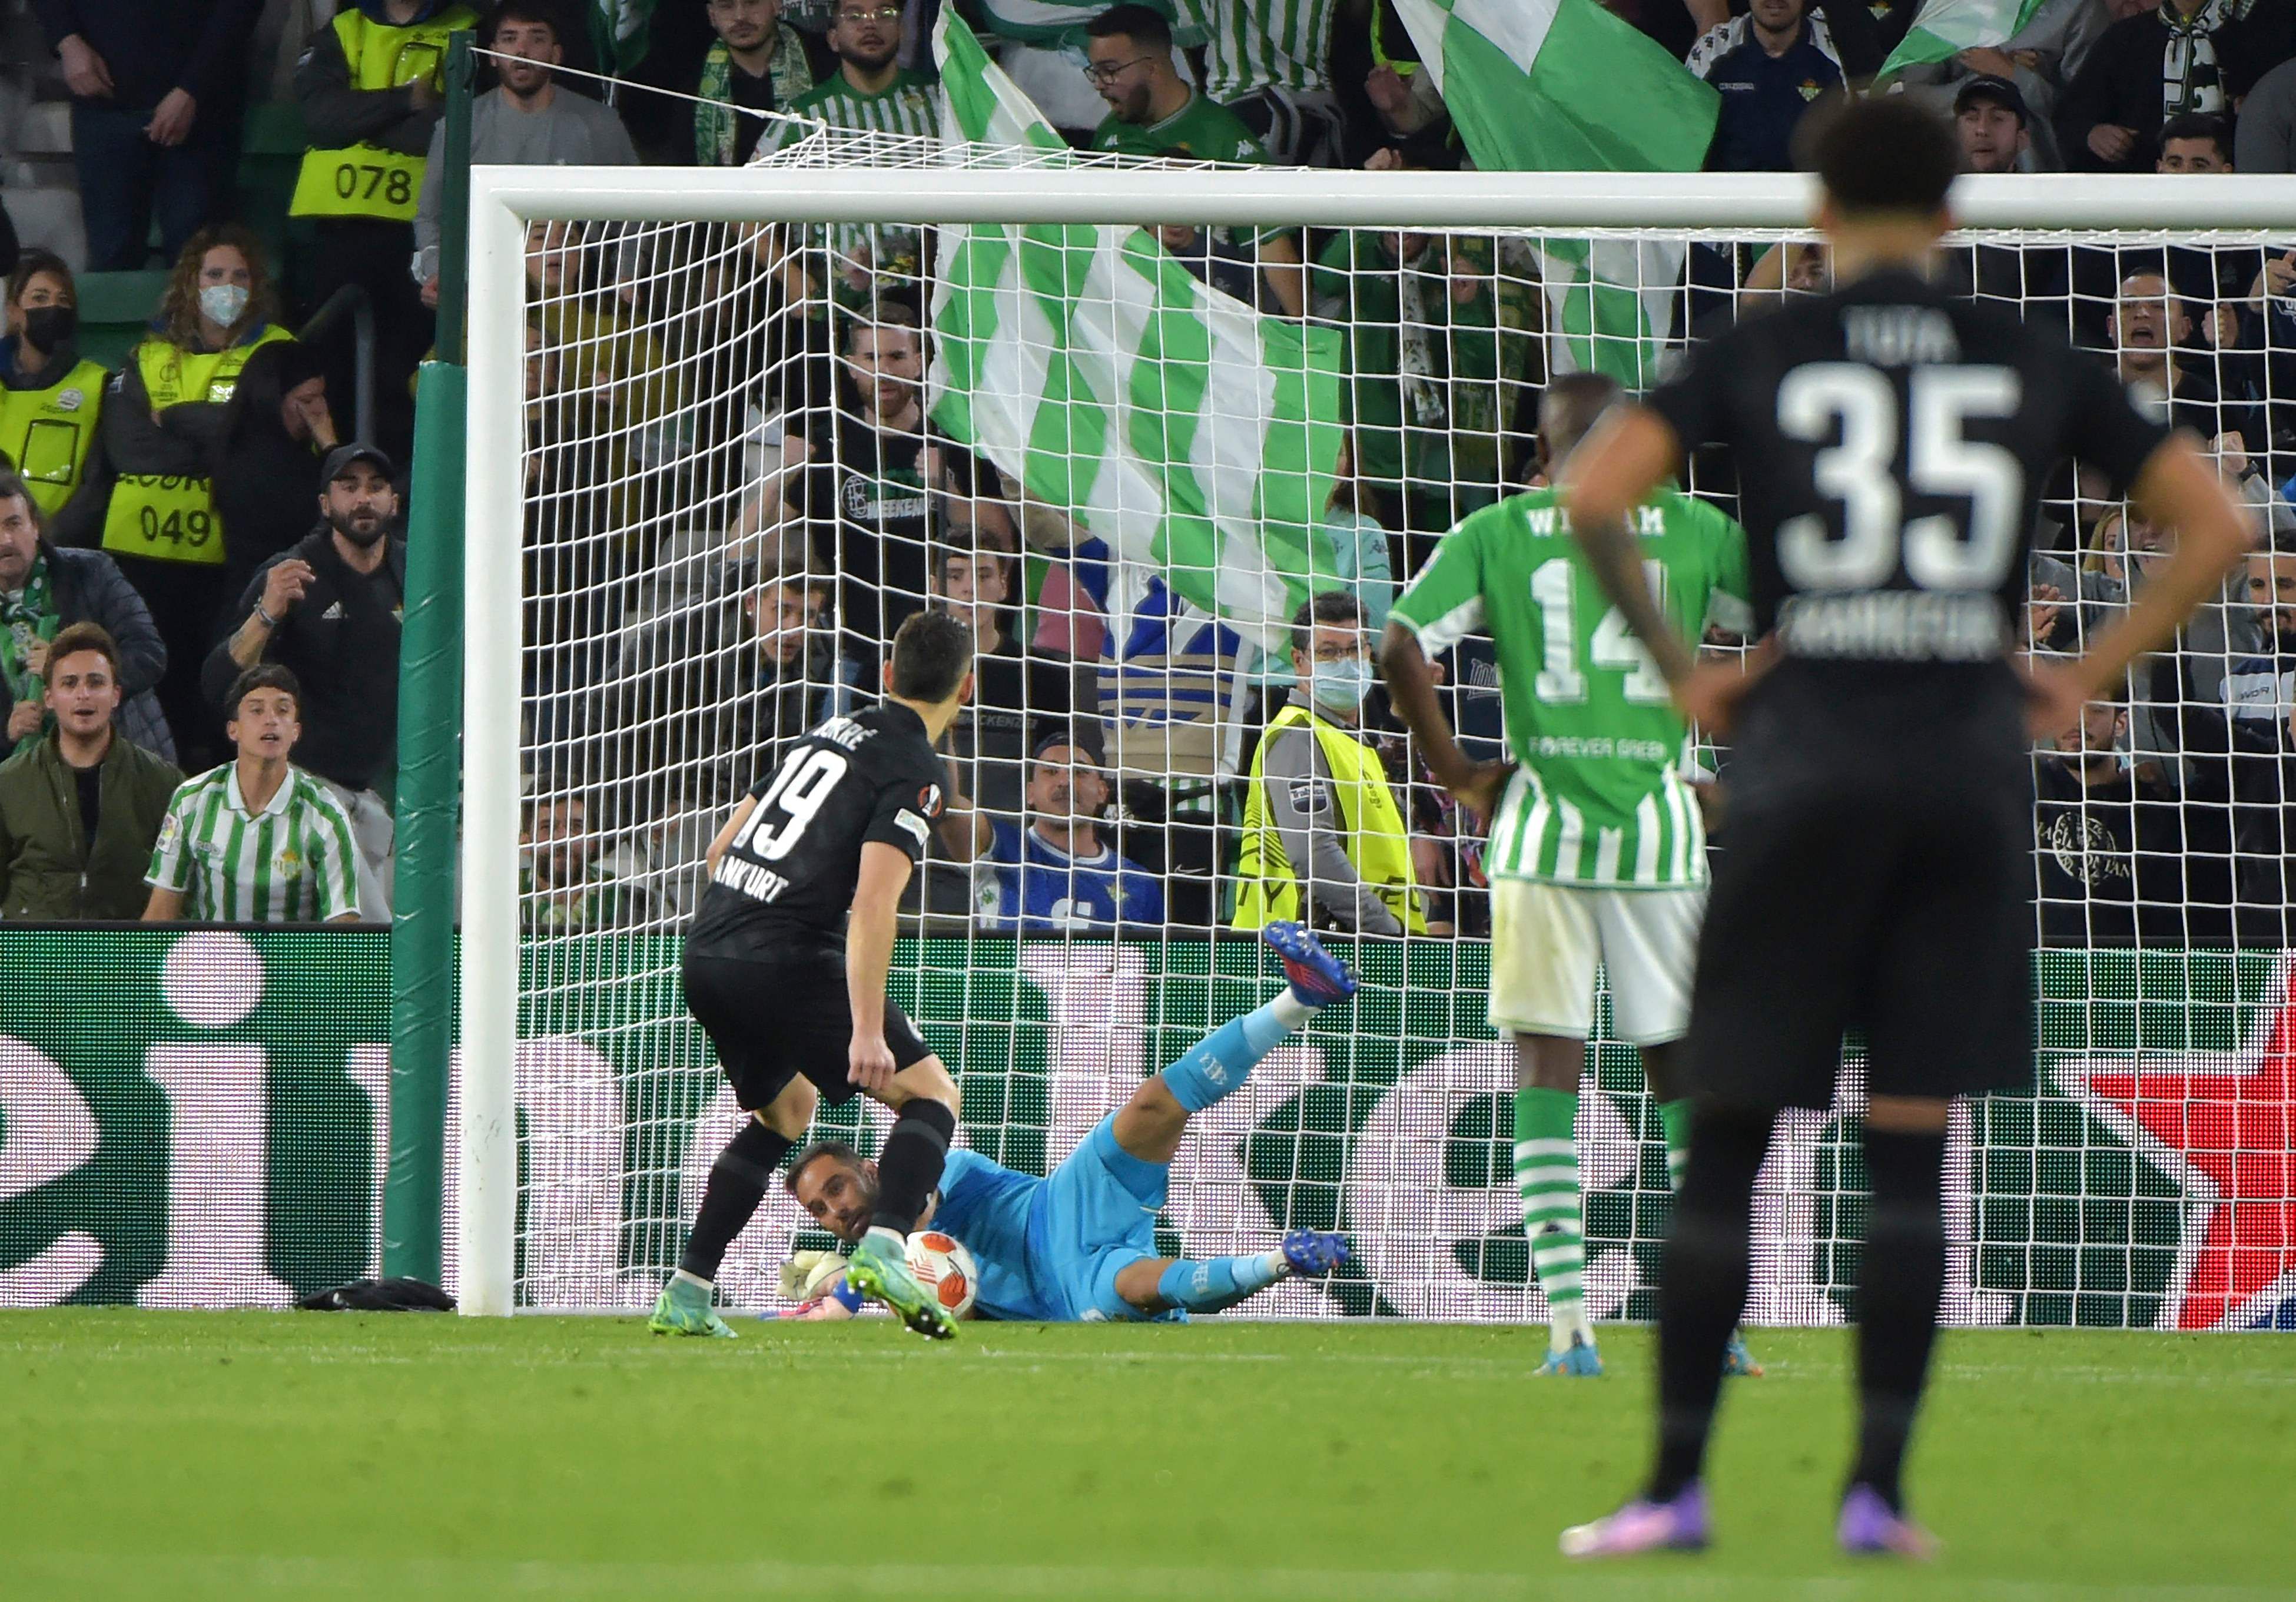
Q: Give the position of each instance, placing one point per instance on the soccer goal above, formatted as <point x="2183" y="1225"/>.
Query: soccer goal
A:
<point x="726" y="427"/>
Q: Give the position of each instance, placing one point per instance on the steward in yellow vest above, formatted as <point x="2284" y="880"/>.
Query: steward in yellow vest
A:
<point x="1319" y="808"/>
<point x="371" y="85"/>
<point x="50" y="399"/>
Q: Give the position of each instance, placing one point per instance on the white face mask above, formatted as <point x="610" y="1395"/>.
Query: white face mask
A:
<point x="222" y="303"/>
<point x="1341" y="686"/>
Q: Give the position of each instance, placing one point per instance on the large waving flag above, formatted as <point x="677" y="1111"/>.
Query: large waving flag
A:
<point x="1947" y="27"/>
<point x="1178" y="425"/>
<point x="1563" y="85"/>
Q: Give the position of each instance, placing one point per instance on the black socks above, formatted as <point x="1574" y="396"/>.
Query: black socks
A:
<point x="909" y="1166"/>
<point x="1703" y="1288"/>
<point x="1898" y="1288"/>
<point x="737" y="1184"/>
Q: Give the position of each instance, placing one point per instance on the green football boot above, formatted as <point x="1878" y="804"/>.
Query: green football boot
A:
<point x="682" y="1308"/>
<point x="882" y="1275"/>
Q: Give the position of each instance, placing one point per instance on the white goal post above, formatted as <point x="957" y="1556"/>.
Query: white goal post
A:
<point x="505" y="201"/>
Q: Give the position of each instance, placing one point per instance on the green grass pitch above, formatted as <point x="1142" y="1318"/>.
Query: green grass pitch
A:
<point x="248" y="1455"/>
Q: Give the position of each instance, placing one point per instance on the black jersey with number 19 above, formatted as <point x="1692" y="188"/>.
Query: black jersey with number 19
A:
<point x="1876" y="871"/>
<point x="788" y="879"/>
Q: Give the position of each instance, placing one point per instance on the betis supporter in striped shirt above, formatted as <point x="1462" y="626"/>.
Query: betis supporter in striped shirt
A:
<point x="1264" y="44"/>
<point x="1597" y="853"/>
<point x="257" y="840"/>
<point x="869" y="92"/>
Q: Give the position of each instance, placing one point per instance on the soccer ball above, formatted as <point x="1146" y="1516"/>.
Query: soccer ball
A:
<point x="945" y="1267"/>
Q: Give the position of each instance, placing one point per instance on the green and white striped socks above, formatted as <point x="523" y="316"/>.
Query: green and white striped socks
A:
<point x="1546" y="1172"/>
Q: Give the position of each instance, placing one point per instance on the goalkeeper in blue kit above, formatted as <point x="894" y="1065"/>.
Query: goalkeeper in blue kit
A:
<point x="1081" y="1242"/>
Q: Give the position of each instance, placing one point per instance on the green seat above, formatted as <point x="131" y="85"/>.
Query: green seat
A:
<point x="271" y="145"/>
<point x="116" y="310"/>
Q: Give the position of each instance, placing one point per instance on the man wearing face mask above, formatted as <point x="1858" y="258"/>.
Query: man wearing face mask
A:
<point x="329" y="608"/>
<point x="1323" y="835"/>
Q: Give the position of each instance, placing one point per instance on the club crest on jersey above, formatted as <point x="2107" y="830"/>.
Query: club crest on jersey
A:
<point x="1810" y="88"/>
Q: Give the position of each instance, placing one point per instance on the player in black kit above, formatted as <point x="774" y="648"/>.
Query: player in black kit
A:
<point x="791" y="989"/>
<point x="1891" y="442"/>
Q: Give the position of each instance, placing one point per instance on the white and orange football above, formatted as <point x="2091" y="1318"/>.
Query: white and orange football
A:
<point x="945" y="1267"/>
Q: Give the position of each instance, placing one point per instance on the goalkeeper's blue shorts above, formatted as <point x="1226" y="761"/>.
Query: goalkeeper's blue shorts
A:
<point x="1097" y="1215"/>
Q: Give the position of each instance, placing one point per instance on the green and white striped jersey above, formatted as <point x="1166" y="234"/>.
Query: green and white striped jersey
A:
<point x="908" y="106"/>
<point x="291" y="863"/>
<point x="1601" y="799"/>
<point x="1254" y="43"/>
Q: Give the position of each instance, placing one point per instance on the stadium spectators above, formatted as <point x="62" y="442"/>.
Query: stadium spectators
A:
<point x="1057" y="873"/>
<point x="328" y="609"/>
<point x="2109" y="844"/>
<point x="2152" y="337"/>
<point x="1769" y="65"/>
<point x="157" y="90"/>
<point x="1324" y="839"/>
<point x="563" y="888"/>
<point x="2188" y="55"/>
<point x="279" y="428"/>
<point x="756" y="63"/>
<point x="524" y="121"/>
<point x="1995" y="130"/>
<point x="1016" y="694"/>
<point x="149" y="496"/>
<point x="2265" y="141"/>
<point x="256" y="839"/>
<point x="50" y="399"/>
<point x="1445" y="352"/>
<point x="1269" y="61"/>
<point x="80" y="807"/>
<point x="371" y="87"/>
<point x="44" y="591"/>
<point x="872" y="483"/>
<point x="1153" y="111"/>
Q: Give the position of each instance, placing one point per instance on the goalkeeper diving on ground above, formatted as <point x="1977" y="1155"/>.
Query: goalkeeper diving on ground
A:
<point x="1081" y="1242"/>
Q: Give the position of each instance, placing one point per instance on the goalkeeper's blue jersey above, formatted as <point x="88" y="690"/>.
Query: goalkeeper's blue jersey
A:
<point x="989" y="1207"/>
<point x="1050" y="1249"/>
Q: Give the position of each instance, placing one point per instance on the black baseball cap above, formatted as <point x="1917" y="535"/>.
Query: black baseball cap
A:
<point x="340" y="459"/>
<point x="2000" y="90"/>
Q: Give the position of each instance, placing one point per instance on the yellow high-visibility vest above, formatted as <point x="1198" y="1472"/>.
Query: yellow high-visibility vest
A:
<point x="1370" y="829"/>
<point x="47" y="433"/>
<point x="366" y="180"/>
<point x="171" y="517"/>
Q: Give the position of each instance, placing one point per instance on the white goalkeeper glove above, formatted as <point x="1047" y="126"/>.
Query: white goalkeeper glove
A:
<point x="804" y="1274"/>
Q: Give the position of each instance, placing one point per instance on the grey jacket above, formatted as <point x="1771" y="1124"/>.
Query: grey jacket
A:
<point x="90" y="588"/>
<point x="1306" y="815"/>
<point x="574" y="131"/>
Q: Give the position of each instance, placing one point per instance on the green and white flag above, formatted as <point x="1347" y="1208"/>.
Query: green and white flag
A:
<point x="1563" y="85"/>
<point x="618" y="33"/>
<point x="1944" y="29"/>
<point x="1178" y="424"/>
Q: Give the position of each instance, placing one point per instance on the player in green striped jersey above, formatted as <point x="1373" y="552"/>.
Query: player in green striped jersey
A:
<point x="1597" y="849"/>
<point x="257" y="840"/>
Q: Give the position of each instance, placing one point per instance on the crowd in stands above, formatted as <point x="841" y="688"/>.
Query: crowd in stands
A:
<point x="736" y="493"/>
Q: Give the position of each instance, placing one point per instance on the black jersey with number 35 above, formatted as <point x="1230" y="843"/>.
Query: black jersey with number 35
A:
<point x="788" y="879"/>
<point x="1891" y="444"/>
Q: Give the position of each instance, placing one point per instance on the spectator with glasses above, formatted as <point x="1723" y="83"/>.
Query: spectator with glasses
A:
<point x="1153" y="112"/>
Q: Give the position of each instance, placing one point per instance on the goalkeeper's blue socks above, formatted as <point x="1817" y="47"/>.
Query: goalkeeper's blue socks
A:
<point x="1218" y="1282"/>
<point x="1218" y="1066"/>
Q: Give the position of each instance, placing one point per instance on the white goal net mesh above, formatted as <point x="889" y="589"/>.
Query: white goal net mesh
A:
<point x="1126" y="456"/>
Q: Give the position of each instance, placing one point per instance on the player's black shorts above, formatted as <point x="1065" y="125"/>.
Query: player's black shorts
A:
<point x="775" y="1019"/>
<point x="1906" y="915"/>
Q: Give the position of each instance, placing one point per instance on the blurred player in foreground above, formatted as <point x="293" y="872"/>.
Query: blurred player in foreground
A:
<point x="1891" y="441"/>
<point x="1598" y="845"/>
<point x="1080" y="1244"/>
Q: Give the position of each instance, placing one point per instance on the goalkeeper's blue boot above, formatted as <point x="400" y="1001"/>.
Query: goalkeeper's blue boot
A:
<point x="1737" y="1362"/>
<point x="682" y="1308"/>
<point x="1317" y="977"/>
<point x="1578" y="1360"/>
<point x="881" y="1273"/>
<point x="1311" y="1251"/>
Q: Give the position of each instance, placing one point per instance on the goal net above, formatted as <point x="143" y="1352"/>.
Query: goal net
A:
<point x="729" y="428"/>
